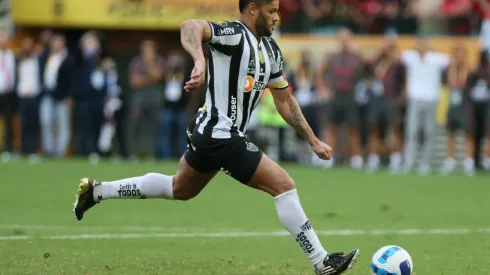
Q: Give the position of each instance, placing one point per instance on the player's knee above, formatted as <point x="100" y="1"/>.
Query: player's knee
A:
<point x="283" y="184"/>
<point x="182" y="193"/>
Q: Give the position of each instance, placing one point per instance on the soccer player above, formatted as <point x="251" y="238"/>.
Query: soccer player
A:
<point x="242" y="62"/>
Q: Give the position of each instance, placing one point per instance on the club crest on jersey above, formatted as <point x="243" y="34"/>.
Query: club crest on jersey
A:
<point x="261" y="57"/>
<point x="252" y="147"/>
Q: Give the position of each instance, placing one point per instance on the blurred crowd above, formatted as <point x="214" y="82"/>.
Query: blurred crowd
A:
<point x="461" y="17"/>
<point x="387" y="105"/>
<point x="70" y="101"/>
<point x="378" y="110"/>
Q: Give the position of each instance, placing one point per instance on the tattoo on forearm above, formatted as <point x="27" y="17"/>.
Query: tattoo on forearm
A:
<point x="296" y="118"/>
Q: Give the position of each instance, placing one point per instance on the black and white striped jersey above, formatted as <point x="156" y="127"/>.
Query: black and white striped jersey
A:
<point x="239" y="68"/>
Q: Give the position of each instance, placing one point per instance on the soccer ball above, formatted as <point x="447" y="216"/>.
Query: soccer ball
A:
<point x="391" y="260"/>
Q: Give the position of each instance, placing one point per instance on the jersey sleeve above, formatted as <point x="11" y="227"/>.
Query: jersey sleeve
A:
<point x="277" y="79"/>
<point x="224" y="34"/>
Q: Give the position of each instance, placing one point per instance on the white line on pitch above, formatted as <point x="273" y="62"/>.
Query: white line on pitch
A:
<point x="462" y="231"/>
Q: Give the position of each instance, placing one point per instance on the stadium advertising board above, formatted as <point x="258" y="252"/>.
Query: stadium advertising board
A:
<point x="124" y="14"/>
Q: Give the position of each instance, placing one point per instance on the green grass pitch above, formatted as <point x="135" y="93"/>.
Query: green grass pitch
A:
<point x="231" y="229"/>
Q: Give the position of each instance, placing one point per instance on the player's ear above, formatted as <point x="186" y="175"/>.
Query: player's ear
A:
<point x="252" y="9"/>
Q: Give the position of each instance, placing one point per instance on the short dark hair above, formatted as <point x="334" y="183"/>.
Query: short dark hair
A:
<point x="243" y="4"/>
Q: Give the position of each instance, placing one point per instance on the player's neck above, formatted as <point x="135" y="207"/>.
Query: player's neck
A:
<point x="250" y="25"/>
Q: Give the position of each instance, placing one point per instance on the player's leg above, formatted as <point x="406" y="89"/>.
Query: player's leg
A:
<point x="184" y="185"/>
<point x="272" y="179"/>
<point x="351" y="119"/>
<point x="450" y="162"/>
<point x="412" y="125"/>
<point x="331" y="129"/>
<point x="486" y="160"/>
<point x="374" y="141"/>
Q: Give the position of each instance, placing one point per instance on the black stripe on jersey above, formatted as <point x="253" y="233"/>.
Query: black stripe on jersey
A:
<point x="208" y="129"/>
<point x="224" y="49"/>
<point x="233" y="81"/>
<point x="246" y="96"/>
<point x="272" y="54"/>
<point x="257" y="95"/>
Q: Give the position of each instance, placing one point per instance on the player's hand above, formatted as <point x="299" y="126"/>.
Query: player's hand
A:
<point x="322" y="150"/>
<point x="197" y="76"/>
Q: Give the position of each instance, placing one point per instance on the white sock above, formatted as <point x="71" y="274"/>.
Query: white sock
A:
<point x="373" y="161"/>
<point x="151" y="185"/>
<point x="357" y="162"/>
<point x="469" y="165"/>
<point x="293" y="218"/>
<point x="395" y="159"/>
<point x="486" y="163"/>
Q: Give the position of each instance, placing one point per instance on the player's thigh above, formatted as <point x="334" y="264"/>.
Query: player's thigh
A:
<point x="188" y="181"/>
<point x="271" y="178"/>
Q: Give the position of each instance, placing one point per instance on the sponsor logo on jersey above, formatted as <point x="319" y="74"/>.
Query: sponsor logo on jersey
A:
<point x="226" y="31"/>
<point x="233" y="108"/>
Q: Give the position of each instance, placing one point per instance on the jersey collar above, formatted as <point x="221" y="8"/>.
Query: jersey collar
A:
<point x="250" y="34"/>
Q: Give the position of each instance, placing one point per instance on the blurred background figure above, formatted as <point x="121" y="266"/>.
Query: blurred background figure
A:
<point x="479" y="98"/>
<point x="113" y="125"/>
<point x="28" y="89"/>
<point x="174" y="116"/>
<point x="424" y="68"/>
<point x="337" y="78"/>
<point x="89" y="88"/>
<point x="303" y="84"/>
<point x="458" y="116"/>
<point x="386" y="92"/>
<point x="57" y="98"/>
<point x="146" y="75"/>
<point x="7" y="95"/>
<point x="42" y="48"/>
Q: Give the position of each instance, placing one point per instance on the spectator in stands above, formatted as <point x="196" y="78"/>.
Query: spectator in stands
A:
<point x="486" y="160"/>
<point x="337" y="78"/>
<point x="28" y="89"/>
<point x="456" y="77"/>
<point x="457" y="14"/>
<point x="89" y="92"/>
<point x="113" y="108"/>
<point x="386" y="91"/>
<point x="479" y="99"/>
<point x="146" y="74"/>
<point x="303" y="84"/>
<point x="7" y="96"/>
<point x="42" y="48"/>
<point x="57" y="99"/>
<point x="482" y="9"/>
<point x="423" y="68"/>
<point x="174" y="115"/>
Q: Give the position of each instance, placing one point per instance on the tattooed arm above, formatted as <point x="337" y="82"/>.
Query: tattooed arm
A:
<point x="289" y="109"/>
<point x="192" y="34"/>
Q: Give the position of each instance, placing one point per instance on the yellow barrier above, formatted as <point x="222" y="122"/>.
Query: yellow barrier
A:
<point x="134" y="14"/>
<point x="319" y="46"/>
